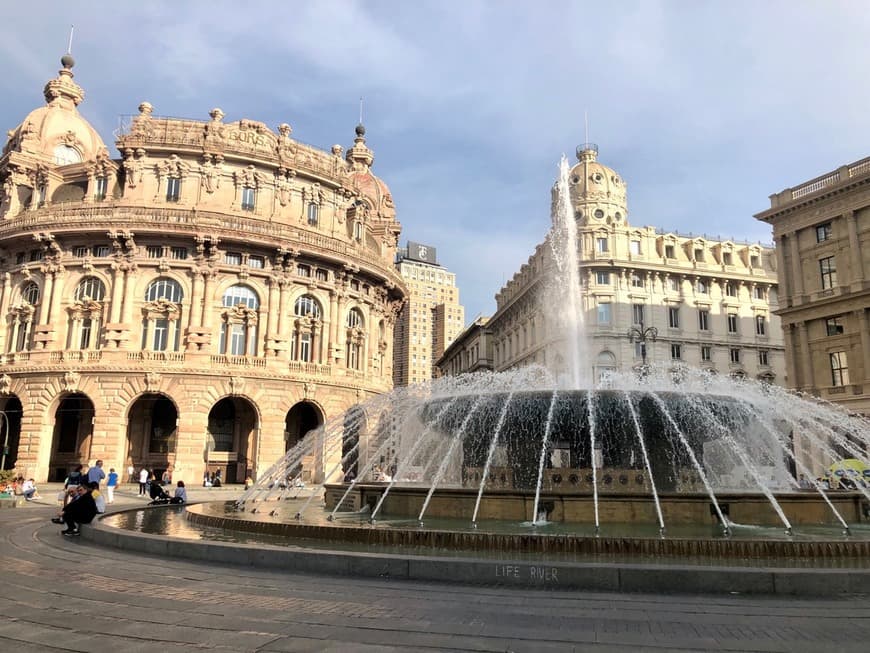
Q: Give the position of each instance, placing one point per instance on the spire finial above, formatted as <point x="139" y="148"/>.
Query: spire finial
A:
<point x="360" y="109"/>
<point x="585" y="126"/>
<point x="69" y="46"/>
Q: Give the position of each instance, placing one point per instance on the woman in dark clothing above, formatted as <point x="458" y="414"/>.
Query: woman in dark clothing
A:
<point x="81" y="511"/>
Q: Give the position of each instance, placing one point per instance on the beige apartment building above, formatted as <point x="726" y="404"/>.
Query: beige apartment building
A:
<point x="712" y="301"/>
<point x="822" y="232"/>
<point x="431" y="318"/>
<point x="197" y="303"/>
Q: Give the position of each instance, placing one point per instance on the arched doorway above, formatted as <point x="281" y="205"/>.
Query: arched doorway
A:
<point x="71" y="439"/>
<point x="10" y="430"/>
<point x="152" y="427"/>
<point x="301" y="419"/>
<point x="231" y="447"/>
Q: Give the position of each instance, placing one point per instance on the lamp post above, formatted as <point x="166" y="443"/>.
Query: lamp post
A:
<point x="5" y="425"/>
<point x="642" y="335"/>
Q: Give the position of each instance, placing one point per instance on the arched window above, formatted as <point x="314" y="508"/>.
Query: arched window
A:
<point x="161" y="313"/>
<point x="307" y="306"/>
<point x="307" y="330"/>
<point x="90" y="288"/>
<point x="30" y="294"/>
<point x="356" y="338"/>
<point x="164" y="288"/>
<point x="239" y="327"/>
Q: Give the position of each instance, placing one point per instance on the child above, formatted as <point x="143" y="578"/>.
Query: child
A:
<point x="111" y="484"/>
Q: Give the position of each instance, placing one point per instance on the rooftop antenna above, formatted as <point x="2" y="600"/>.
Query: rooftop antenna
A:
<point x="586" y="126"/>
<point x="69" y="46"/>
<point x="360" y="109"/>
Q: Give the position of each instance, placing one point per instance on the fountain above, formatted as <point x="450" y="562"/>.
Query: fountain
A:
<point x="662" y="451"/>
<point x="534" y="462"/>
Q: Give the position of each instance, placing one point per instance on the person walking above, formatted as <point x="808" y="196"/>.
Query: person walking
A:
<point x="111" y="484"/>
<point x="96" y="473"/>
<point x="143" y="482"/>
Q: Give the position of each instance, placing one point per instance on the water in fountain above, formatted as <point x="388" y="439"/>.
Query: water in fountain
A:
<point x="539" y="446"/>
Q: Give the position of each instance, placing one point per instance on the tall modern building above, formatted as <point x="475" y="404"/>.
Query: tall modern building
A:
<point x="822" y="231"/>
<point x="712" y="302"/>
<point x="199" y="302"/>
<point x="430" y="320"/>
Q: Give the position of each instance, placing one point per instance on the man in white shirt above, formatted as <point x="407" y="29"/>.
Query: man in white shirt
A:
<point x="143" y="481"/>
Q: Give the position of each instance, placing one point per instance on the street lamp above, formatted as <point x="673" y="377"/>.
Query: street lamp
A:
<point x="642" y="334"/>
<point x="4" y="424"/>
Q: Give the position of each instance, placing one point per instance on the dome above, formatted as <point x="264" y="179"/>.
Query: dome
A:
<point x="57" y="132"/>
<point x="376" y="191"/>
<point x="597" y="192"/>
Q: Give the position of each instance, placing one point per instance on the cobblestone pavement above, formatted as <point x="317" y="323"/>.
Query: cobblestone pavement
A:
<point x="65" y="594"/>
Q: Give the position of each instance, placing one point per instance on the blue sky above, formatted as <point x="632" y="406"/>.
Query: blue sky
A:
<point x="705" y="108"/>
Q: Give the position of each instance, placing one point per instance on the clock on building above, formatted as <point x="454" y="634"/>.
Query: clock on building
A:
<point x="66" y="154"/>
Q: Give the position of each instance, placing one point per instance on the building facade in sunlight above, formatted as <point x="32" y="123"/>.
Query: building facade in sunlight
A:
<point x="712" y="302"/>
<point x="430" y="320"/>
<point x="822" y="231"/>
<point x="198" y="302"/>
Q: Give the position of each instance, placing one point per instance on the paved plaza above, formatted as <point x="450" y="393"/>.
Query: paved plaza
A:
<point x="67" y="594"/>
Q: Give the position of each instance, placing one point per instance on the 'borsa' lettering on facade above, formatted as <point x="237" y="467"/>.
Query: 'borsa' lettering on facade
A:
<point x="248" y="137"/>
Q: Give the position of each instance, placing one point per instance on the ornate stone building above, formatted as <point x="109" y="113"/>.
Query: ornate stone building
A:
<point x="711" y="301"/>
<point x="822" y="231"/>
<point x="199" y="303"/>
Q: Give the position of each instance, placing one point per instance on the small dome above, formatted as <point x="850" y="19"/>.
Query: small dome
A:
<point x="597" y="191"/>
<point x="67" y="61"/>
<point x="376" y="191"/>
<point x="57" y="132"/>
<point x="360" y="130"/>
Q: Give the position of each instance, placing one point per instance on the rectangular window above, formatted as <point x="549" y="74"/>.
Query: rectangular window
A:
<point x="703" y="288"/>
<point x="602" y="278"/>
<point x="732" y="322"/>
<point x="303" y="270"/>
<point x="759" y="292"/>
<point x="321" y="274"/>
<point x="305" y="347"/>
<point x="828" y="270"/>
<point x="85" y="335"/>
<point x="161" y="331"/>
<point x="101" y="188"/>
<point x="36" y="255"/>
<point x="760" y="325"/>
<point x="354" y="285"/>
<point x="730" y="289"/>
<point x="636" y="281"/>
<point x="706" y="353"/>
<point x="101" y="250"/>
<point x="763" y="358"/>
<point x="604" y="313"/>
<point x="699" y="254"/>
<point x="726" y="258"/>
<point x="179" y="253"/>
<point x="237" y="340"/>
<point x="601" y="245"/>
<point x="839" y="369"/>
<point x="674" y="284"/>
<point x="154" y="251"/>
<point x="19" y="257"/>
<point x="823" y="232"/>
<point x="834" y="326"/>
<point x="358" y="231"/>
<point x="637" y="313"/>
<point x="704" y="320"/>
<point x="256" y="262"/>
<point x="674" y="317"/>
<point x="735" y="355"/>
<point x="173" y="189"/>
<point x="634" y="247"/>
<point x="669" y="251"/>
<point x="233" y="258"/>
<point x="249" y="196"/>
<point x="676" y="352"/>
<point x="753" y="261"/>
<point x="312" y="214"/>
<point x="80" y="252"/>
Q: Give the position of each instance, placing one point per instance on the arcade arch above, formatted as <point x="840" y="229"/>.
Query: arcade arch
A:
<point x="71" y="436"/>
<point x="231" y="445"/>
<point x="152" y="428"/>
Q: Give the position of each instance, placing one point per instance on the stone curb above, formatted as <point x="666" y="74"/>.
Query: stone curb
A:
<point x="609" y="577"/>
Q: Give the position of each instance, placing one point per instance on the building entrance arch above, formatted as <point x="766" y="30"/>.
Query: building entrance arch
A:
<point x="72" y="434"/>
<point x="231" y="445"/>
<point x="10" y="430"/>
<point x="301" y="419"/>
<point x="152" y="429"/>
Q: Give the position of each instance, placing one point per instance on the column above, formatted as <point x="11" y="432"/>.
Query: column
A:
<point x="149" y="333"/>
<point x="16" y="328"/>
<point x="864" y="327"/>
<point x="117" y="293"/>
<point x="333" y="324"/>
<point x="858" y="272"/>
<point x="284" y="285"/>
<point x="75" y="332"/>
<point x="196" y="300"/>
<point x="4" y="307"/>
<point x="205" y="320"/>
<point x="807" y="380"/>
<point x="45" y="304"/>
<point x="127" y="305"/>
<point x="785" y="285"/>
<point x="273" y="314"/>
<point x="796" y="270"/>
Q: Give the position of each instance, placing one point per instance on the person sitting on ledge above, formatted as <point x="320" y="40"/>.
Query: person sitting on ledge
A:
<point x="180" y="493"/>
<point x="81" y="510"/>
